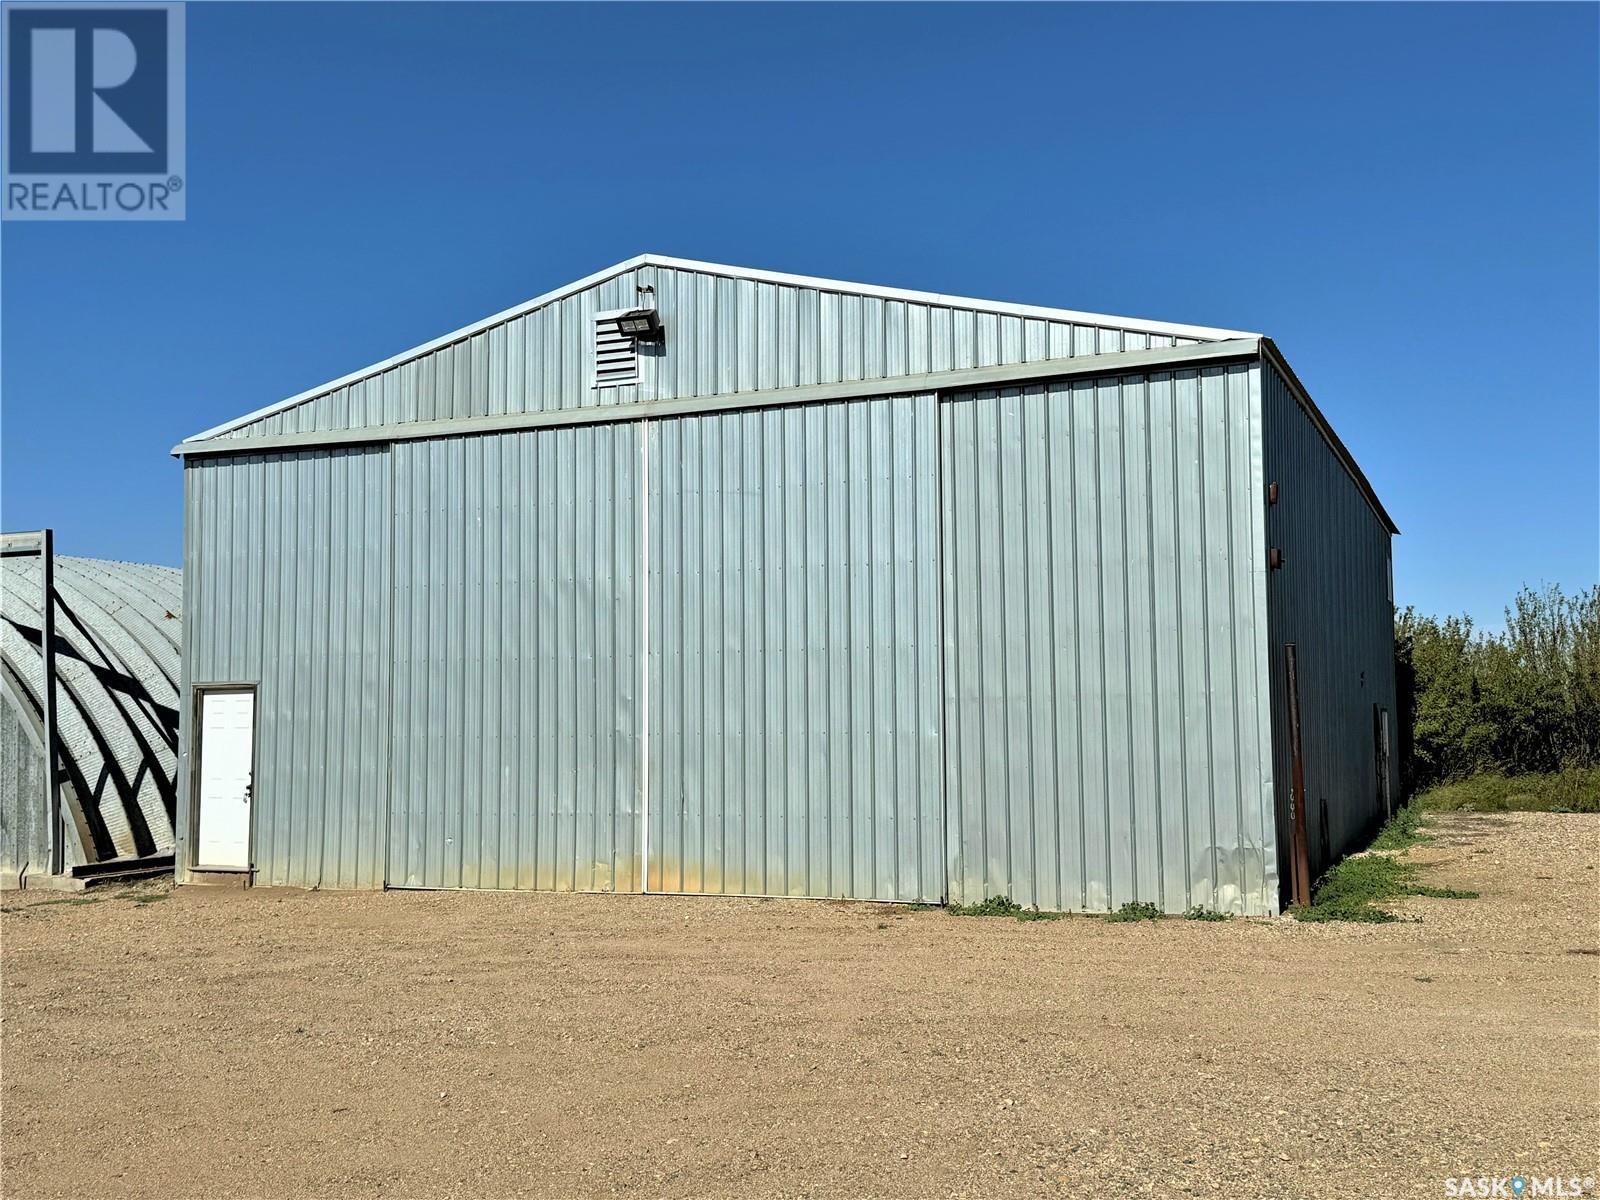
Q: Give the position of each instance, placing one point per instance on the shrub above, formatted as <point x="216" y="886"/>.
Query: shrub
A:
<point x="1525" y="700"/>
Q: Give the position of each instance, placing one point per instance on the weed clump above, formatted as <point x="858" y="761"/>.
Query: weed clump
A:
<point x="1135" y="910"/>
<point x="994" y="906"/>
<point x="1201" y="913"/>
<point x="1035" y="914"/>
<point x="1001" y="906"/>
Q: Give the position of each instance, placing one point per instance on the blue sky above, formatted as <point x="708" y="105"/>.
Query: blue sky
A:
<point x="1405" y="197"/>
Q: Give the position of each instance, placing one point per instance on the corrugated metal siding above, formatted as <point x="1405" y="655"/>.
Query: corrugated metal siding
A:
<point x="515" y="690"/>
<point x="723" y="335"/>
<point x="1104" y="633"/>
<point x="794" y="654"/>
<point x="24" y="815"/>
<point x="1333" y="599"/>
<point x="1106" y="644"/>
<point x="289" y="585"/>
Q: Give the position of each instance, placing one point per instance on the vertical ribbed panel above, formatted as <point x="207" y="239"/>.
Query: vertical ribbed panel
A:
<point x="516" y="634"/>
<point x="794" y="657"/>
<point x="1103" y="628"/>
<point x="288" y="585"/>
<point x="24" y="813"/>
<point x="723" y="335"/>
<point x="1333" y="599"/>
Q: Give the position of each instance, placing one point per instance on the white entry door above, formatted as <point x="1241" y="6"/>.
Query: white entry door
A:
<point x="227" y="737"/>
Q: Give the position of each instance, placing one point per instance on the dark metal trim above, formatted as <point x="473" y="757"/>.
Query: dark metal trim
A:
<point x="1299" y="854"/>
<point x="1274" y="357"/>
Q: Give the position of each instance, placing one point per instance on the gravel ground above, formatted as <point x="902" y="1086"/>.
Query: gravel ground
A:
<point x="288" y="1044"/>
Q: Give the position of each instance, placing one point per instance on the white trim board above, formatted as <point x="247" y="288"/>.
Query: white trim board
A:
<point x="1108" y="320"/>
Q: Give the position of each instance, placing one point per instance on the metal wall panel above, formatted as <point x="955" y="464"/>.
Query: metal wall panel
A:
<point x="24" y="815"/>
<point x="1105" y="634"/>
<point x="516" y="646"/>
<point x="1334" y="599"/>
<point x="289" y="585"/>
<point x="794" y="708"/>
<point x="723" y="335"/>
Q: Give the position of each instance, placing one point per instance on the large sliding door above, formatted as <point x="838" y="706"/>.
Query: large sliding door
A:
<point x="1102" y="617"/>
<point x="516" y="630"/>
<point x="793" y="657"/>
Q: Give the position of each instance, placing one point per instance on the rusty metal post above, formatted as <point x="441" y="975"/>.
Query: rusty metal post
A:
<point x="1299" y="856"/>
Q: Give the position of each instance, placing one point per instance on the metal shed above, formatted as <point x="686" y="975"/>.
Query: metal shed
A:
<point x="692" y="578"/>
<point x="89" y="666"/>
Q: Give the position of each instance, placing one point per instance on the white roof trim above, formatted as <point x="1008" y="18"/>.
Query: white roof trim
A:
<point x="1136" y="324"/>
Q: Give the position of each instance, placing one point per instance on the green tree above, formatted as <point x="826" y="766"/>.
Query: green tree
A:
<point x="1526" y="699"/>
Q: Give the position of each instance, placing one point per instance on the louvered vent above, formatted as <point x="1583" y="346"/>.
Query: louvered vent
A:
<point x="616" y="355"/>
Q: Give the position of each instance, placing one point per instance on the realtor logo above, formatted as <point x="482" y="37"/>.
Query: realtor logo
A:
<point x="93" y="125"/>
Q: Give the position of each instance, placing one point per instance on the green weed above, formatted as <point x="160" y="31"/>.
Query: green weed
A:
<point x="1401" y="831"/>
<point x="1201" y="913"/>
<point x="1135" y="910"/>
<point x="1035" y="914"/>
<point x="1001" y="906"/>
<point x="1354" y="889"/>
<point x="994" y="906"/>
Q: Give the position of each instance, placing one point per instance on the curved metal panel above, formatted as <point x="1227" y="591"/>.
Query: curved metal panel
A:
<point x="118" y="626"/>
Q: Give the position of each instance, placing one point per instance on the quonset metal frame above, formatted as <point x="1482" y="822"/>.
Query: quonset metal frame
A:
<point x="89" y="723"/>
<point x="743" y="705"/>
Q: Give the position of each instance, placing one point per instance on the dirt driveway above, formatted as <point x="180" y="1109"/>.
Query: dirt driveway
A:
<point x="290" y="1044"/>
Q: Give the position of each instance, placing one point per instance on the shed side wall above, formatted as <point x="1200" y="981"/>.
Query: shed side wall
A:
<point x="1104" y="625"/>
<point x="1333" y="599"/>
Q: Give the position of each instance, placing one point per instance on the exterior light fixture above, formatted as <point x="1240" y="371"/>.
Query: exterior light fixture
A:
<point x="642" y="324"/>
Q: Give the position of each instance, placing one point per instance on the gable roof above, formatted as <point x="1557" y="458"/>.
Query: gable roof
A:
<point x="1137" y="324"/>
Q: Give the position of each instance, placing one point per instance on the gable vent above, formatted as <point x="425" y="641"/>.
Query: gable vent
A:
<point x="616" y="354"/>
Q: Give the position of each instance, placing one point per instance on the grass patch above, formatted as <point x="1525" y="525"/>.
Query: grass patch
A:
<point x="1135" y="910"/>
<point x="1575" y="790"/>
<point x="1354" y="889"/>
<point x="1201" y="913"/>
<point x="1401" y="831"/>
